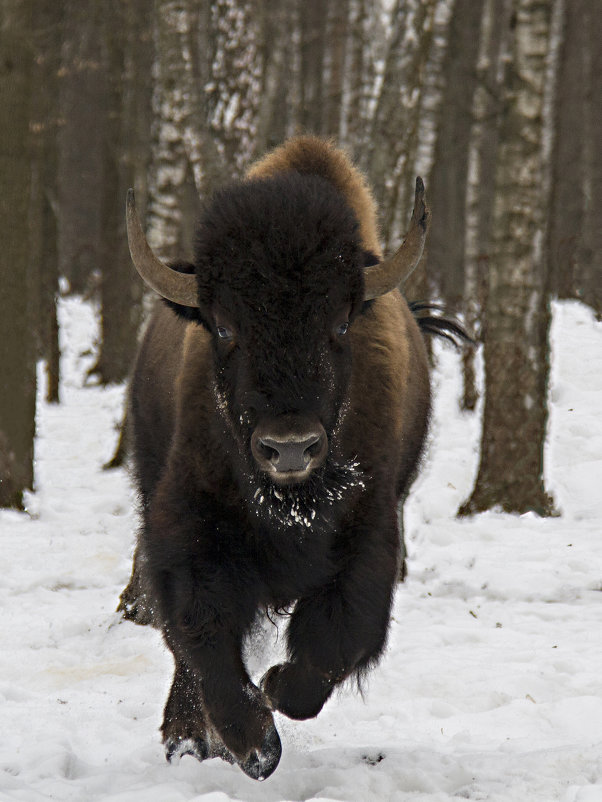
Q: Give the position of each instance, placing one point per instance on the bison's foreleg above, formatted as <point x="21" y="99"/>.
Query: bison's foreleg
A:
<point x="185" y="728"/>
<point x="342" y="629"/>
<point x="205" y="608"/>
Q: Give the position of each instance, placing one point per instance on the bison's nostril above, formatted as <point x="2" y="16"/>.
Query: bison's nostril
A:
<point x="267" y="452"/>
<point x="290" y="453"/>
<point x="313" y="449"/>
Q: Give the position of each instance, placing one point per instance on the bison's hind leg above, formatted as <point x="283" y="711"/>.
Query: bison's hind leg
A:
<point x="134" y="601"/>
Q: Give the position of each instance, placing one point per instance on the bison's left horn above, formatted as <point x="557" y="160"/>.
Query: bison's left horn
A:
<point x="385" y="276"/>
<point x="181" y="288"/>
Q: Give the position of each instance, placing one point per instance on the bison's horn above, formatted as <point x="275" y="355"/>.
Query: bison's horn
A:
<point x="386" y="275"/>
<point x="181" y="288"/>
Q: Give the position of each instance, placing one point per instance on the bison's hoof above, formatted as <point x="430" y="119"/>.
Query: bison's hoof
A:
<point x="176" y="748"/>
<point x="261" y="763"/>
<point x="296" y="692"/>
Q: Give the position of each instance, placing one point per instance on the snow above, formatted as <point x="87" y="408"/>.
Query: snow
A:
<point x="491" y="688"/>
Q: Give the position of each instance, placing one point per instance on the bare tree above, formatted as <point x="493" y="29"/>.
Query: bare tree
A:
<point x="485" y="118"/>
<point x="517" y="313"/>
<point x="81" y="96"/>
<point x="17" y="334"/>
<point x="45" y="124"/>
<point x="576" y="211"/>
<point x="120" y="290"/>
<point x="448" y="180"/>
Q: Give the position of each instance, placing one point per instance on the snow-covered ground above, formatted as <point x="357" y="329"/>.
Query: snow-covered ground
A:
<point x="491" y="688"/>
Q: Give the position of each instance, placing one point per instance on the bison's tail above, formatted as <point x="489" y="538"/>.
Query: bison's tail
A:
<point x="432" y="320"/>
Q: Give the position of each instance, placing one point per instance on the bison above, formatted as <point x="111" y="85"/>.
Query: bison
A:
<point x="279" y="406"/>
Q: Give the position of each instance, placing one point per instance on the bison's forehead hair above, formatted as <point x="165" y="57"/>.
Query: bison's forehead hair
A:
<point x="290" y="237"/>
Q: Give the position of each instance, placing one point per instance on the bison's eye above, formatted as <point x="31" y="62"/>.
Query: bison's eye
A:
<point x="224" y="333"/>
<point x="342" y="329"/>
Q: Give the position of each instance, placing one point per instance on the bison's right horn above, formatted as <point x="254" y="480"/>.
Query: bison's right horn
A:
<point x="386" y="275"/>
<point x="181" y="288"/>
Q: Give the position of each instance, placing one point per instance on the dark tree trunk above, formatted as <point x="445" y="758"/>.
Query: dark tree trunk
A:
<point x="120" y="287"/>
<point x="80" y="145"/>
<point x="447" y="185"/>
<point x="575" y="239"/>
<point x="17" y="332"/>
<point x="477" y="222"/>
<point x="45" y="125"/>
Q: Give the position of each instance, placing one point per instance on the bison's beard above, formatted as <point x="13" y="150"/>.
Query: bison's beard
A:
<point x="310" y="505"/>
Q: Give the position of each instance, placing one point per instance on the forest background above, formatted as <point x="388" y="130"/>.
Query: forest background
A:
<point x="495" y="103"/>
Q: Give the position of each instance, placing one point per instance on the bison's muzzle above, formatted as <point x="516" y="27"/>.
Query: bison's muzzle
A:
<point x="289" y="448"/>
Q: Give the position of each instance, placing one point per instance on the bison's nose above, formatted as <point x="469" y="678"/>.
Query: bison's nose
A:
<point x="289" y="456"/>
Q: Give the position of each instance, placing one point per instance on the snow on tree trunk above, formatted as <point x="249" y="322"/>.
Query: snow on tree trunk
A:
<point x="205" y="110"/>
<point x="236" y="82"/>
<point x="175" y="126"/>
<point x="516" y="345"/>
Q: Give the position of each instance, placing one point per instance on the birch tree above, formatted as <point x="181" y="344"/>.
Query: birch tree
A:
<point x="394" y="129"/>
<point x="517" y="312"/>
<point x="205" y="108"/>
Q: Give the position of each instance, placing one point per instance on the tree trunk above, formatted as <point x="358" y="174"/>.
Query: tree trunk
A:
<point x="120" y="286"/>
<point x="45" y="124"/>
<point x="80" y="145"/>
<point x="575" y="241"/>
<point x="17" y="332"/>
<point x="516" y="335"/>
<point x="394" y="130"/>
<point x="447" y="184"/>
<point x="485" y="123"/>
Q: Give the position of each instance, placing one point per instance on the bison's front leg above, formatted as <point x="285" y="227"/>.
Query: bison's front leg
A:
<point x="206" y="605"/>
<point x="214" y="709"/>
<point x="186" y="729"/>
<point x="343" y="628"/>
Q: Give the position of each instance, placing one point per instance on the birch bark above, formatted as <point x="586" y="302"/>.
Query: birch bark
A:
<point x="516" y="346"/>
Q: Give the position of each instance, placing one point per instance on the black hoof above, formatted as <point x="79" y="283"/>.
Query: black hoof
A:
<point x="260" y="764"/>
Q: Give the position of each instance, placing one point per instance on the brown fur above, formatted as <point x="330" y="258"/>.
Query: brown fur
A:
<point x="307" y="154"/>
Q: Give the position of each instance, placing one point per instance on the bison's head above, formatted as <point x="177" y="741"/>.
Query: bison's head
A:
<point x="279" y="278"/>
